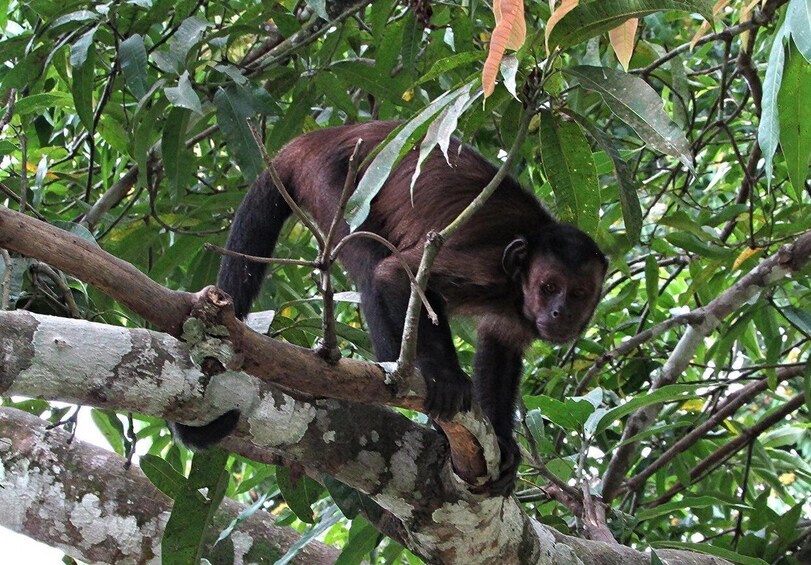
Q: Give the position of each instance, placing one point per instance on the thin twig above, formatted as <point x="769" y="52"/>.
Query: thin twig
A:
<point x="274" y="175"/>
<point x="434" y="242"/>
<point x="396" y="252"/>
<point x="6" y="282"/>
<point x="257" y="259"/>
<point x="67" y="293"/>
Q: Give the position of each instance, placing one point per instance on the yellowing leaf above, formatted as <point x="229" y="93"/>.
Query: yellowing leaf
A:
<point x="408" y="95"/>
<point x="622" y="40"/>
<point x="509" y="33"/>
<point x="565" y="7"/>
<point x="705" y="25"/>
<point x="694" y="405"/>
<point x="787" y="478"/>
<point x="744" y="16"/>
<point x="745" y="254"/>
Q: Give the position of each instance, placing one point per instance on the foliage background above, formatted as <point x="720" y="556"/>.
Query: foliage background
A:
<point x="145" y="101"/>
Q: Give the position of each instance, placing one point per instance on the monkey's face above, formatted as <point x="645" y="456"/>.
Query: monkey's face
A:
<point x="561" y="300"/>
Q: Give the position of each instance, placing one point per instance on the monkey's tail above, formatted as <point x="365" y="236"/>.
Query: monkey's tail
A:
<point x="255" y="230"/>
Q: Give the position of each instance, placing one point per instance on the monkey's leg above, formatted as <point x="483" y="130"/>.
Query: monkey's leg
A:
<point x="496" y="375"/>
<point x="385" y="302"/>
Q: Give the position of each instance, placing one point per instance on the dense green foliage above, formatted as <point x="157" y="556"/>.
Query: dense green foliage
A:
<point x="689" y="170"/>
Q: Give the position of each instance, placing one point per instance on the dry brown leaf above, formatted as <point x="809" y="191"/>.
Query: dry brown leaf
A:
<point x="705" y="25"/>
<point x="622" y="40"/>
<point x="565" y="7"/>
<point x="510" y="33"/>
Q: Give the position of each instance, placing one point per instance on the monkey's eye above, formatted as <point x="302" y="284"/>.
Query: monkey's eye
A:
<point x="549" y="288"/>
<point x="579" y="293"/>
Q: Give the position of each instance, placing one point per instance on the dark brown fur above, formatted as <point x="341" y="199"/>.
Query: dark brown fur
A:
<point x="524" y="275"/>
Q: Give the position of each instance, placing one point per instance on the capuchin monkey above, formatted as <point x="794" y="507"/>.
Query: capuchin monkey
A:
<point x="521" y="273"/>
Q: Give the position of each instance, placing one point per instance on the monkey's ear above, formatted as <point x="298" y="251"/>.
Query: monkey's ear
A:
<point x="515" y="257"/>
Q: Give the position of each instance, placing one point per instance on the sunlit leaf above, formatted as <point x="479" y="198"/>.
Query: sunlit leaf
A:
<point x="639" y="106"/>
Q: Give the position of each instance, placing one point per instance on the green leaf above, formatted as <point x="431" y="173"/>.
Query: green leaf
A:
<point x="390" y="153"/>
<point x="183" y="95"/>
<point x="351" y="501"/>
<point x="363" y="538"/>
<point x="178" y="160"/>
<point x="80" y="48"/>
<point x="569" y="414"/>
<point x="82" y="87"/>
<point x="629" y="200"/>
<point x="357" y="74"/>
<point x="187" y="36"/>
<point x="569" y="166"/>
<point x="38" y="103"/>
<point x="669" y="393"/>
<point x="295" y="494"/>
<point x="768" y="133"/>
<point x="319" y="7"/>
<point x="328" y="519"/>
<point x="651" y="280"/>
<point x="591" y="19"/>
<point x="639" y="106"/>
<point x="690" y="242"/>
<point x="688" y="503"/>
<point x="799" y="318"/>
<point x="194" y="507"/>
<point x="798" y="22"/>
<point x="795" y="119"/>
<point x="161" y="474"/>
<point x="132" y="58"/>
<point x="447" y="64"/>
<point x="110" y="427"/>
<point x="233" y="108"/>
<point x="708" y="549"/>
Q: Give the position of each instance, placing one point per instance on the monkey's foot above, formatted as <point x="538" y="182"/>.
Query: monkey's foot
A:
<point x="508" y="469"/>
<point x="449" y="392"/>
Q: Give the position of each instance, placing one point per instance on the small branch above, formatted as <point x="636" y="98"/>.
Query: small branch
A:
<point x="727" y="450"/>
<point x="6" y="282"/>
<point x="328" y="348"/>
<point x="434" y="242"/>
<point x="396" y="252"/>
<point x="257" y="259"/>
<point x="789" y="258"/>
<point x="67" y="293"/>
<point x="726" y="409"/>
<point x="110" y="198"/>
<point x="8" y="101"/>
<point x="627" y="346"/>
<point x="274" y="174"/>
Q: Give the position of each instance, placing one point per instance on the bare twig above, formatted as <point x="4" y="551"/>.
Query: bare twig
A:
<point x="274" y="175"/>
<point x="434" y="242"/>
<point x="257" y="259"/>
<point x="67" y="293"/>
<point x="6" y="282"/>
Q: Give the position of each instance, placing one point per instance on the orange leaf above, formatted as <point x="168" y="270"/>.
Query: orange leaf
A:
<point x="622" y="40"/>
<point x="509" y="33"/>
<point x="705" y="25"/>
<point x="565" y="7"/>
<point x="745" y="254"/>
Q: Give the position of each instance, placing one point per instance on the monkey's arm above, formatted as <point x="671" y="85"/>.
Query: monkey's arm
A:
<point x="496" y="375"/>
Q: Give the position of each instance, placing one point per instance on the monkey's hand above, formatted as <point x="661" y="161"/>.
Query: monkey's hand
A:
<point x="449" y="391"/>
<point x="510" y="460"/>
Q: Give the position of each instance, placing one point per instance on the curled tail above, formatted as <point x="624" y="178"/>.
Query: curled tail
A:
<point x="255" y="230"/>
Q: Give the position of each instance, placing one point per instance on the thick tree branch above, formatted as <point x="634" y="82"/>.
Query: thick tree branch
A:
<point x="403" y="466"/>
<point x="100" y="511"/>
<point x="788" y="259"/>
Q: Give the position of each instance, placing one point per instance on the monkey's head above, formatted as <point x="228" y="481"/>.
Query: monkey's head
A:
<point x="561" y="273"/>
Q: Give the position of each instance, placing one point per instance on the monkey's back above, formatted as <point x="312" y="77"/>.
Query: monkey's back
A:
<point x="441" y="192"/>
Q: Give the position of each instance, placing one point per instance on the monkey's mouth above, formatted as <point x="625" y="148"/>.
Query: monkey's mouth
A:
<point x="552" y="333"/>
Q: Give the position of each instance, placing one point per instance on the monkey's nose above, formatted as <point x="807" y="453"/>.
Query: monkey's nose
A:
<point x="555" y="313"/>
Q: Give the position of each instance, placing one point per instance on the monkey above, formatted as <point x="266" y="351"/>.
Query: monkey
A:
<point x="520" y="272"/>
